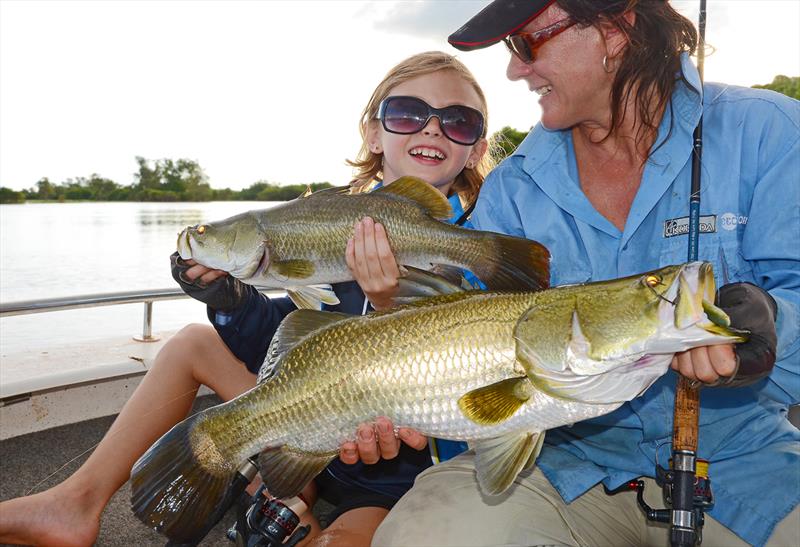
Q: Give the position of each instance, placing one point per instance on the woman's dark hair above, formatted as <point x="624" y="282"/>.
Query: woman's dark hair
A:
<point x="650" y="64"/>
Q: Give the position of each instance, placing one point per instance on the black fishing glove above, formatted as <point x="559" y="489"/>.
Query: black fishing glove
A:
<point x="753" y="309"/>
<point x="224" y="294"/>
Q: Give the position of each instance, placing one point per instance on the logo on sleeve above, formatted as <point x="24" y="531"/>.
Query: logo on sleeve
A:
<point x="680" y="226"/>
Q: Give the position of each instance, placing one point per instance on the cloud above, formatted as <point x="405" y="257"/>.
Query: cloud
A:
<point x="435" y="19"/>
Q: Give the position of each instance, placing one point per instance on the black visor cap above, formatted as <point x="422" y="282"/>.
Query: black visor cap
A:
<point x="495" y="22"/>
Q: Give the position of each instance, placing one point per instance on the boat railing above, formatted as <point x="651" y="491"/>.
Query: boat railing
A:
<point x="146" y="296"/>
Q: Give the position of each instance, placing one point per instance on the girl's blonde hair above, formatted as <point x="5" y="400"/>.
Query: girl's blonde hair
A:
<point x="368" y="165"/>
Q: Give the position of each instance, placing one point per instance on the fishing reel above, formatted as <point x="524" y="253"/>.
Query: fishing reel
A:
<point x="265" y="522"/>
<point x="702" y="499"/>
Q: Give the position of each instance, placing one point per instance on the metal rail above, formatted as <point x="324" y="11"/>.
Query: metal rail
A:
<point x="148" y="296"/>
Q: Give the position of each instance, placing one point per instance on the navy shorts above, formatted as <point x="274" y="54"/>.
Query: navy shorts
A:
<point x="381" y="484"/>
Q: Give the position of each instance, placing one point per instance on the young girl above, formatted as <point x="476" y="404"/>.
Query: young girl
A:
<point x="425" y="119"/>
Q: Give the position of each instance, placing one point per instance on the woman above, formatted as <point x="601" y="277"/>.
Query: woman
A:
<point x="603" y="181"/>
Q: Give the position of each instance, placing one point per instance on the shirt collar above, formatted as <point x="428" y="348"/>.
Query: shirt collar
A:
<point x="549" y="158"/>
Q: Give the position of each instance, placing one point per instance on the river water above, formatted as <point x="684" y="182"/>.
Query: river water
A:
<point x="66" y="249"/>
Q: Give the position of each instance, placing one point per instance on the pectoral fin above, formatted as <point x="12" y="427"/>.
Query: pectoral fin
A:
<point x="286" y="470"/>
<point x="293" y="269"/>
<point x="497" y="402"/>
<point x="311" y="297"/>
<point x="498" y="461"/>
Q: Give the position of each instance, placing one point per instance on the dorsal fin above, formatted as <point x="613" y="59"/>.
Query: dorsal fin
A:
<point x="421" y="193"/>
<point x="292" y="330"/>
<point x="330" y="190"/>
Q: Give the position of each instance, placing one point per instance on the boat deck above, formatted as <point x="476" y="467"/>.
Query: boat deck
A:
<point x="27" y="460"/>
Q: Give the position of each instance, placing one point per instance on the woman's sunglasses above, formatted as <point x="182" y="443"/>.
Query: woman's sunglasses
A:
<point x="406" y="115"/>
<point x="525" y="45"/>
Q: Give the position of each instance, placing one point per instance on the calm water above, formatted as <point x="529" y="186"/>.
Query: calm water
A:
<point x="65" y="249"/>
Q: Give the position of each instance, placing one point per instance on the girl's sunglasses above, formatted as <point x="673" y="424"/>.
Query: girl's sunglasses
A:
<point x="525" y="45"/>
<point x="406" y="115"/>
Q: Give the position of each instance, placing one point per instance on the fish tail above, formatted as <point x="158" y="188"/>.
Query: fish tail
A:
<point x="512" y="263"/>
<point x="181" y="482"/>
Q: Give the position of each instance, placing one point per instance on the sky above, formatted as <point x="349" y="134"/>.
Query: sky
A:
<point x="266" y="90"/>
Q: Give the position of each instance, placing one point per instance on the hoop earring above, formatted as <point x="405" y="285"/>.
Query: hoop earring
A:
<point x="605" y="65"/>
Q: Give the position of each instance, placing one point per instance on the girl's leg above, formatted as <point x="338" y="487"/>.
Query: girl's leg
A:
<point x="354" y="528"/>
<point x="69" y="513"/>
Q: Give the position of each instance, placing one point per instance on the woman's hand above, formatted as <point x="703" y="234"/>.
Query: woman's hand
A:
<point x="706" y="364"/>
<point x="753" y="310"/>
<point x="370" y="259"/>
<point x="378" y="440"/>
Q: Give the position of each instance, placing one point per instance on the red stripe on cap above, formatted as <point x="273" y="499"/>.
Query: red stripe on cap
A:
<point x="510" y="32"/>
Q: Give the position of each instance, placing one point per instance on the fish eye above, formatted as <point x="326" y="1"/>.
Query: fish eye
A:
<point x="201" y="229"/>
<point x="652" y="280"/>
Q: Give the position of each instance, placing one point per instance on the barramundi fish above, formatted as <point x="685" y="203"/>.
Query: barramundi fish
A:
<point x="496" y="369"/>
<point x="302" y="242"/>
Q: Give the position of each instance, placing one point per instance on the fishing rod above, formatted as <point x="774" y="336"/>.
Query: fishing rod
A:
<point x="687" y="488"/>
<point x="686" y="520"/>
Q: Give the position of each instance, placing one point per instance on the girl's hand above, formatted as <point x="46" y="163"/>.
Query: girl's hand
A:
<point x="378" y="440"/>
<point x="372" y="263"/>
<point x="707" y="363"/>
<point x="198" y="271"/>
<point x="214" y="288"/>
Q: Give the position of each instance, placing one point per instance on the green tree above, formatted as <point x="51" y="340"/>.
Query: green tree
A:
<point x="45" y="189"/>
<point x="170" y="180"/>
<point x="784" y="84"/>
<point x="74" y="189"/>
<point x="101" y="189"/>
<point x="146" y="176"/>
<point x="505" y="141"/>
<point x="7" y="195"/>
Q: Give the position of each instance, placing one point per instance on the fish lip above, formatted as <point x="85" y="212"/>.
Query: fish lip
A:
<point x="695" y="305"/>
<point x="184" y="244"/>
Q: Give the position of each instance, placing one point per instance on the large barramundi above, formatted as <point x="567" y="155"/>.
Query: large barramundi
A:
<point x="495" y="369"/>
<point x="302" y="242"/>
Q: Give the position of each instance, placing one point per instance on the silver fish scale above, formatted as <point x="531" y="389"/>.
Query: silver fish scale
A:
<point x="322" y="392"/>
<point x="317" y="230"/>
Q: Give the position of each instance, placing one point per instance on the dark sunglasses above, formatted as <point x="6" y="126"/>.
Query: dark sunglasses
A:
<point x="406" y="115"/>
<point x="525" y="45"/>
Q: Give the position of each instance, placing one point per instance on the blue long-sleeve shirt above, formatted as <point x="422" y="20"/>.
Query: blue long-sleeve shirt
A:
<point x="750" y="231"/>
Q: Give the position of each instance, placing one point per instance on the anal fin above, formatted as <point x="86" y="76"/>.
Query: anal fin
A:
<point x="286" y="470"/>
<point x="498" y="461"/>
<point x="312" y="297"/>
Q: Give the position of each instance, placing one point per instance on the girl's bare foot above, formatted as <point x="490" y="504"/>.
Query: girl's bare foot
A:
<point x="55" y="517"/>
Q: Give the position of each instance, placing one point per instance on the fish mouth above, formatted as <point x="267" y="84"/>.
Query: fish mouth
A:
<point x="694" y="303"/>
<point x="184" y="244"/>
